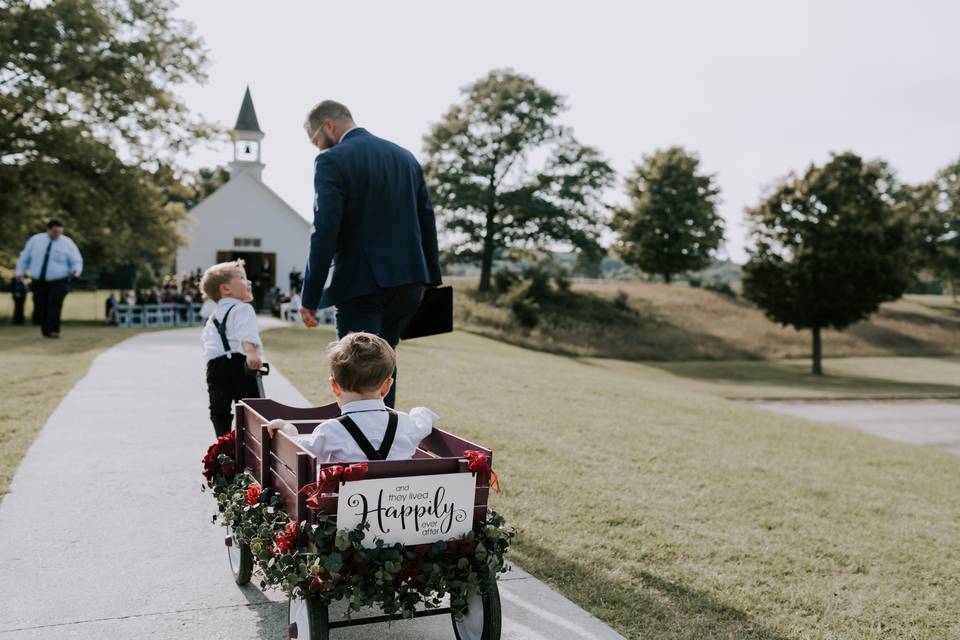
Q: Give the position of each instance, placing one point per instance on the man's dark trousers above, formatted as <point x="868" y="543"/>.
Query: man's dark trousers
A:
<point x="385" y="314"/>
<point x="228" y="382"/>
<point x="48" y="298"/>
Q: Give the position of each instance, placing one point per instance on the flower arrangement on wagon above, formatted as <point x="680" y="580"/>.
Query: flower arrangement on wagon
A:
<point x="334" y="564"/>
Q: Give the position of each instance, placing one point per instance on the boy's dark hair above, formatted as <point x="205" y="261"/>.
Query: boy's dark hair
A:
<point x="360" y="361"/>
<point x="54" y="223"/>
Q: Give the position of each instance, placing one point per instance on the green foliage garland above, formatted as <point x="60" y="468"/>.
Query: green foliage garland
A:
<point x="334" y="565"/>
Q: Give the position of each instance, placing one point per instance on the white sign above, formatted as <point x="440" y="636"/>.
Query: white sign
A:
<point x="414" y="510"/>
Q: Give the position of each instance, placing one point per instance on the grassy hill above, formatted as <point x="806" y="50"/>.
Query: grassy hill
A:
<point x="673" y="514"/>
<point x="662" y="322"/>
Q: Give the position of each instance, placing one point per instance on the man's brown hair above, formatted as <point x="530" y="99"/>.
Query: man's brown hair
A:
<point x="217" y="275"/>
<point x="326" y="109"/>
<point x="360" y="361"/>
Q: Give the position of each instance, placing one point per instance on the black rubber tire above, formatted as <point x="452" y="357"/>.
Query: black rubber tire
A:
<point x="317" y="616"/>
<point x="491" y="616"/>
<point x="242" y="570"/>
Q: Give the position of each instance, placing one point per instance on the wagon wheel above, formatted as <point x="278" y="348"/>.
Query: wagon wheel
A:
<point x="241" y="559"/>
<point x="482" y="618"/>
<point x="307" y="619"/>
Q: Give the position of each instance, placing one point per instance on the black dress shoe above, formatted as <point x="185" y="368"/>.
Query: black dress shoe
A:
<point x="53" y="335"/>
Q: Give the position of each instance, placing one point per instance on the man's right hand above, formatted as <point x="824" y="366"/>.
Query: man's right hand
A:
<point x="423" y="291"/>
<point x="309" y="317"/>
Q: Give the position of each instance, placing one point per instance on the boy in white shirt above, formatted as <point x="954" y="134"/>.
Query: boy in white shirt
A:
<point x="231" y="342"/>
<point x="361" y="369"/>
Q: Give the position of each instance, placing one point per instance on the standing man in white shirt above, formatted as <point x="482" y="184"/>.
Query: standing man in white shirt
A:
<point x="53" y="261"/>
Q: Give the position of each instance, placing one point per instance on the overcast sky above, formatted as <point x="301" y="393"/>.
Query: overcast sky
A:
<point x="756" y="88"/>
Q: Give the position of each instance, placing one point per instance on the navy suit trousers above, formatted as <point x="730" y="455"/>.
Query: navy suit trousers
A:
<point x="385" y="313"/>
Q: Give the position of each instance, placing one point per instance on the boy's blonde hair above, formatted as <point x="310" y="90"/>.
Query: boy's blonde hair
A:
<point x="360" y="361"/>
<point x="217" y="275"/>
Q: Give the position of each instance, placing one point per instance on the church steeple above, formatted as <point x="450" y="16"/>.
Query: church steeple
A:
<point x="246" y="136"/>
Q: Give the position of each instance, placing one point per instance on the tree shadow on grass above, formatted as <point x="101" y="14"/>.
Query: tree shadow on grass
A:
<point x="652" y="606"/>
<point x="897" y="342"/>
<point x="794" y="376"/>
<point x="944" y="320"/>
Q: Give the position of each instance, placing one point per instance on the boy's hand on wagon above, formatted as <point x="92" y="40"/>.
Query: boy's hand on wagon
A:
<point x="253" y="361"/>
<point x="280" y="425"/>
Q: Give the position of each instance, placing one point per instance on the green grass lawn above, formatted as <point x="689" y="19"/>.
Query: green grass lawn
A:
<point x="673" y="514"/>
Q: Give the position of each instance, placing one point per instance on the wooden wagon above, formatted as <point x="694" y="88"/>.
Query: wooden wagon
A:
<point x="280" y="464"/>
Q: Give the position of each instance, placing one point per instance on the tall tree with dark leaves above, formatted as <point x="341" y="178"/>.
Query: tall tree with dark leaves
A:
<point x="828" y="248"/>
<point x="933" y="209"/>
<point x="505" y="174"/>
<point x="672" y="225"/>
<point x="88" y="120"/>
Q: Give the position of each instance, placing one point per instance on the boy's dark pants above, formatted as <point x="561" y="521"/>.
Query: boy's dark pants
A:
<point x="228" y="382"/>
<point x="385" y="314"/>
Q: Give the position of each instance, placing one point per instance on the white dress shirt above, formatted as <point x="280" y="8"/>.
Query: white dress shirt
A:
<point x="241" y="327"/>
<point x="330" y="441"/>
<point x="64" y="257"/>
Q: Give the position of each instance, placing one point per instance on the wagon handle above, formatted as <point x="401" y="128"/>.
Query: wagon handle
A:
<point x="264" y="370"/>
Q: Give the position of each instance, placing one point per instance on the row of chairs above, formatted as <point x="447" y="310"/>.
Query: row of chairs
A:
<point x="292" y="314"/>
<point x="170" y="314"/>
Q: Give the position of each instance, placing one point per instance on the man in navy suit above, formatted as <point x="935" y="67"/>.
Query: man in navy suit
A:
<point x="374" y="243"/>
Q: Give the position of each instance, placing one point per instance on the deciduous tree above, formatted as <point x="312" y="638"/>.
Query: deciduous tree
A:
<point x="672" y="225"/>
<point x="828" y="248"/>
<point x="505" y="174"/>
<point x="88" y="120"/>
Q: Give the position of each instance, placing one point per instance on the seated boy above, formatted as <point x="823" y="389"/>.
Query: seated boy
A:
<point x="361" y="369"/>
<point x="231" y="342"/>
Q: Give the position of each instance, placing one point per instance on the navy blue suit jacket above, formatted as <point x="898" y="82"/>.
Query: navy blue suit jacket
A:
<point x="373" y="222"/>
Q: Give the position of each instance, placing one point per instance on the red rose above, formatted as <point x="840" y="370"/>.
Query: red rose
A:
<point x="410" y="570"/>
<point x="225" y="445"/>
<point x="461" y="547"/>
<point x="253" y="494"/>
<point x="323" y="584"/>
<point x="285" y="539"/>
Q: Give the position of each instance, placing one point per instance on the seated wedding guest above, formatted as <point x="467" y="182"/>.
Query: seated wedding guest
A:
<point x="108" y="308"/>
<point x="361" y="369"/>
<point x="231" y="342"/>
<point x="290" y="310"/>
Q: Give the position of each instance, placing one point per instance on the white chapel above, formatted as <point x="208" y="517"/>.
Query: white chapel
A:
<point x="245" y="219"/>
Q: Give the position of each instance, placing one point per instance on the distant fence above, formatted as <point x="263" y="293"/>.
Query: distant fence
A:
<point x="165" y="314"/>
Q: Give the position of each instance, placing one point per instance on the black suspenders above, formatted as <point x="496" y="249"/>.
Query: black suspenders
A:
<point x="222" y="329"/>
<point x="364" y="444"/>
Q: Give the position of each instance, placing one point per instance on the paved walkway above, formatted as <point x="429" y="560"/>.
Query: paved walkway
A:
<point x="927" y="423"/>
<point x="105" y="533"/>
